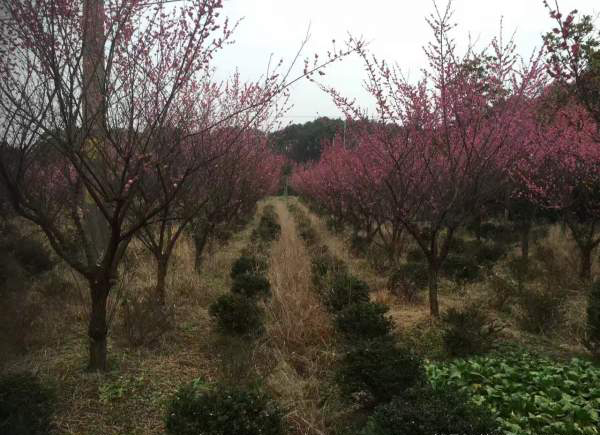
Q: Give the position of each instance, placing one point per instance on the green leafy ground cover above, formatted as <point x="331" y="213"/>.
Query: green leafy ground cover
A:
<point x="528" y="394"/>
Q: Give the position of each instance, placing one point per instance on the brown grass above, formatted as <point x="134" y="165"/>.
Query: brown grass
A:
<point x="299" y="338"/>
<point x="295" y="357"/>
<point x="130" y="398"/>
<point x="413" y="321"/>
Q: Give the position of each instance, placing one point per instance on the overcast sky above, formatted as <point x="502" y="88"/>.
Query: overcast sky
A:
<point x="395" y="29"/>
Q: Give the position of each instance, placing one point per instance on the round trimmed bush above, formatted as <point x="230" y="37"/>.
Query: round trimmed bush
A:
<point x="399" y="285"/>
<point x="237" y="315"/>
<point x="251" y="285"/>
<point x="458" y="246"/>
<point x="346" y="289"/>
<point x="488" y="255"/>
<point x="592" y="338"/>
<point x="26" y="406"/>
<point x="359" y="244"/>
<point x="364" y="321"/>
<point x="540" y="309"/>
<point x="334" y="225"/>
<point x="248" y="264"/>
<point x="415" y="274"/>
<point x="268" y="228"/>
<point x="376" y="371"/>
<point x="198" y="408"/>
<point x="307" y="233"/>
<point x="468" y="331"/>
<point x="424" y="411"/>
<point x="323" y="264"/>
<point x="461" y="268"/>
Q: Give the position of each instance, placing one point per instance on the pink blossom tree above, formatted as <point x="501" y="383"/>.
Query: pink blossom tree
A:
<point x="96" y="83"/>
<point x="561" y="171"/>
<point x="453" y="137"/>
<point x="573" y="48"/>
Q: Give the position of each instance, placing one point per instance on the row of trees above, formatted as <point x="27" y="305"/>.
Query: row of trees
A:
<point x="482" y="130"/>
<point x="112" y="127"/>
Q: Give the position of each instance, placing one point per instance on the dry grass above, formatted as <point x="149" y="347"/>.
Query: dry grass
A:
<point x="299" y="338"/>
<point x="295" y="357"/>
<point x="414" y="322"/>
<point x="359" y="266"/>
<point x="130" y="398"/>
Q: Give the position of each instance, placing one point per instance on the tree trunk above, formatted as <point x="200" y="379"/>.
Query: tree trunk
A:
<point x="199" y="244"/>
<point x="525" y="228"/>
<point x="161" y="276"/>
<point x="478" y="228"/>
<point x="434" y="308"/>
<point x="98" y="327"/>
<point x="585" y="268"/>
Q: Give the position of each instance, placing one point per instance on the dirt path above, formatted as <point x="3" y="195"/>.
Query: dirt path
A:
<point x="299" y="332"/>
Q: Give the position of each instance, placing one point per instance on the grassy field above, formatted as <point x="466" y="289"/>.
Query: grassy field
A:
<point x="294" y="359"/>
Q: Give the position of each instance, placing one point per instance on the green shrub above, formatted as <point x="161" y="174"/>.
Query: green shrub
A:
<point x="237" y="315"/>
<point x="459" y="246"/>
<point x="425" y="411"/>
<point x="251" y="285"/>
<point x="268" y="228"/>
<point x="504" y="290"/>
<point x="497" y="233"/>
<point x="521" y="270"/>
<point x="399" y="285"/>
<point x="248" y="264"/>
<point x="489" y="254"/>
<point x="413" y="276"/>
<point x="468" y="331"/>
<point x="26" y="406"/>
<point x="592" y="336"/>
<point x="424" y="339"/>
<point x="364" y="321"/>
<point x="461" y="268"/>
<point x="359" y="244"/>
<point x="540" y="309"/>
<point x="335" y="225"/>
<point x="198" y="408"/>
<point x="307" y="233"/>
<point x="376" y="371"/>
<point x="345" y="289"/>
<point x="324" y="264"/>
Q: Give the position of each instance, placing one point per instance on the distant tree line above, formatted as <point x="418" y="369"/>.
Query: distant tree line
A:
<point x="303" y="143"/>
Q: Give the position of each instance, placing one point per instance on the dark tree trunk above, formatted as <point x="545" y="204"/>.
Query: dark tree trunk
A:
<point x="525" y="229"/>
<point x="395" y="249"/>
<point x="98" y="327"/>
<point x="585" y="267"/>
<point x="161" y="276"/>
<point x="478" y="227"/>
<point x="434" y="308"/>
<point x="199" y="245"/>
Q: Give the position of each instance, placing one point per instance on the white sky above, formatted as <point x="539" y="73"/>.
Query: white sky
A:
<point x="396" y="31"/>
